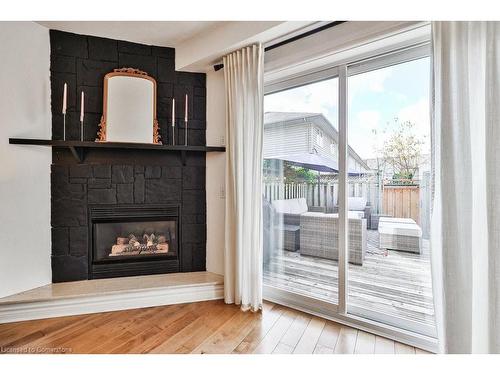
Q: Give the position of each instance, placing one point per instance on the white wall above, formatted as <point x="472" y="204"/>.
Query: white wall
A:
<point x="204" y="49"/>
<point x="215" y="172"/>
<point x="24" y="170"/>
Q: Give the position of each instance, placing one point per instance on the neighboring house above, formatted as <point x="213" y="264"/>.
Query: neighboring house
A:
<point x="300" y="132"/>
<point x="387" y="168"/>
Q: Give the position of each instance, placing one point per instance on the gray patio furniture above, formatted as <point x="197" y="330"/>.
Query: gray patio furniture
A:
<point x="289" y="210"/>
<point x="287" y="220"/>
<point x="361" y="207"/>
<point x="316" y="209"/>
<point x="375" y="219"/>
<point x="319" y="235"/>
<point x="291" y="237"/>
<point x="399" y="234"/>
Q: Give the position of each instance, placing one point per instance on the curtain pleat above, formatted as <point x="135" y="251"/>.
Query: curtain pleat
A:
<point x="466" y="213"/>
<point x="243" y="72"/>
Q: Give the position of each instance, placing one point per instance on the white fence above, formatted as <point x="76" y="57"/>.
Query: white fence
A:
<point x="325" y="194"/>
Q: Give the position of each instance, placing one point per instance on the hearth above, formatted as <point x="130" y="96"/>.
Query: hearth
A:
<point x="133" y="240"/>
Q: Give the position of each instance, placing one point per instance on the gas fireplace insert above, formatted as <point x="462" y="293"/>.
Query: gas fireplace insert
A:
<point x="133" y="240"/>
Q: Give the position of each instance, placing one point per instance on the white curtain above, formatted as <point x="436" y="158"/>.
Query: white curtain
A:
<point x="466" y="212"/>
<point x="243" y="73"/>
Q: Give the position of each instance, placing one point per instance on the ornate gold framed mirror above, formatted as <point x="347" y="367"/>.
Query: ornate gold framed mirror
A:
<point x="129" y="108"/>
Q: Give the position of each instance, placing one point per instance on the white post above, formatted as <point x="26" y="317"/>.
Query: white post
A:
<point x="325" y="195"/>
<point x="335" y="193"/>
<point x="328" y="196"/>
<point x="343" y="160"/>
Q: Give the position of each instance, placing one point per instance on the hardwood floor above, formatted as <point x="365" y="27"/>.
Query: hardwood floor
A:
<point x="201" y="327"/>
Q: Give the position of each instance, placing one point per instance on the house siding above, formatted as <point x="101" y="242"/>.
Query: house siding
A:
<point x="282" y="138"/>
<point x="299" y="136"/>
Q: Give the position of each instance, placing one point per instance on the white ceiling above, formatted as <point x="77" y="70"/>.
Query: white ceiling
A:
<point x="158" y="33"/>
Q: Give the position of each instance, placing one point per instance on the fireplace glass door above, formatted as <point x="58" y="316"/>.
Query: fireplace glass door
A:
<point x="134" y="239"/>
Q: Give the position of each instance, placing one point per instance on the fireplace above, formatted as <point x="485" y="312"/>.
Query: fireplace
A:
<point x="124" y="185"/>
<point x="133" y="240"/>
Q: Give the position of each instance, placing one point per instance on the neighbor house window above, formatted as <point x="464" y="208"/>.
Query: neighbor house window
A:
<point x="333" y="148"/>
<point x="319" y="137"/>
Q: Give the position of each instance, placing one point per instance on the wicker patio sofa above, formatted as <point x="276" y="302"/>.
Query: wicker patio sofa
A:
<point x="315" y="231"/>
<point x="289" y="210"/>
<point x="287" y="220"/>
<point x="360" y="207"/>
<point x="319" y="236"/>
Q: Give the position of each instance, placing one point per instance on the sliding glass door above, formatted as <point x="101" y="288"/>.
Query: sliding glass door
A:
<point x="389" y="193"/>
<point x="300" y="174"/>
<point x="347" y="193"/>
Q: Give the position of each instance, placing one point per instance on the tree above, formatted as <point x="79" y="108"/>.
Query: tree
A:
<point x="288" y="171"/>
<point x="298" y="174"/>
<point x="402" y="149"/>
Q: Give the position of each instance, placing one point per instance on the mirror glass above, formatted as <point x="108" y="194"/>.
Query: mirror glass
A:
<point x="129" y="108"/>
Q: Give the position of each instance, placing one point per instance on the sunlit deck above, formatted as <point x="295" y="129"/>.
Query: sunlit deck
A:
<point x="391" y="285"/>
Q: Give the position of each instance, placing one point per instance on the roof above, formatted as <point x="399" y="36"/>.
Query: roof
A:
<point x="274" y="117"/>
<point x="313" y="161"/>
<point x="317" y="118"/>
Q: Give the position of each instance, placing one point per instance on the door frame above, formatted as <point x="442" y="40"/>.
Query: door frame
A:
<point x="338" y="312"/>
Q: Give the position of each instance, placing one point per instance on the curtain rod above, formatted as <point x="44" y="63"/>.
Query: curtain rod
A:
<point x="218" y="67"/>
<point x="303" y="35"/>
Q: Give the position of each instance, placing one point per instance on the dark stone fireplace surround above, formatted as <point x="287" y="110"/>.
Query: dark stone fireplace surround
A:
<point x="117" y="178"/>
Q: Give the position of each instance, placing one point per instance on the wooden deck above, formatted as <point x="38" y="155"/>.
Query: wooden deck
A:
<point x="390" y="287"/>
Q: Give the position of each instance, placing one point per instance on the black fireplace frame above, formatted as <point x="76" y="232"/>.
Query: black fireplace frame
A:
<point x="138" y="265"/>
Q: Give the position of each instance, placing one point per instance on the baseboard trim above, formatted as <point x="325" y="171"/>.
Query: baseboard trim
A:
<point x="123" y="300"/>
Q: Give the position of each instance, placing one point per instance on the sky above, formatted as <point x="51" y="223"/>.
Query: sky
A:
<point x="376" y="99"/>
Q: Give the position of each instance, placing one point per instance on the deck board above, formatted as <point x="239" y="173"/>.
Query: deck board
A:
<point x="395" y="284"/>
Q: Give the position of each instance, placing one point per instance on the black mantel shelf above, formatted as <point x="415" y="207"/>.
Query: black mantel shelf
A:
<point x="78" y="148"/>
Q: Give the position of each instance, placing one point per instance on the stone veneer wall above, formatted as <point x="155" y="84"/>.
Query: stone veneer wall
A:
<point x="122" y="176"/>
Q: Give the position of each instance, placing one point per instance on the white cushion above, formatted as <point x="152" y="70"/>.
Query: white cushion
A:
<point x="293" y="206"/>
<point x="320" y="214"/>
<point x="397" y="220"/>
<point x="350" y="214"/>
<point x="279" y="206"/>
<point x="356" y="203"/>
<point x="401" y="229"/>
<point x="302" y="205"/>
<point x="290" y="206"/>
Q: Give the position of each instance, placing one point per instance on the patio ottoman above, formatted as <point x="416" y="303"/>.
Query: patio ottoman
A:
<point x="375" y="219"/>
<point x="399" y="234"/>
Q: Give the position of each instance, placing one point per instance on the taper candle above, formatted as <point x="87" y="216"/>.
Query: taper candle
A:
<point x="173" y="121"/>
<point x="82" y="110"/>
<point x="65" y="95"/>
<point x="82" y="107"/>
<point x="173" y="112"/>
<point x="65" y="100"/>
<point x="186" y="122"/>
